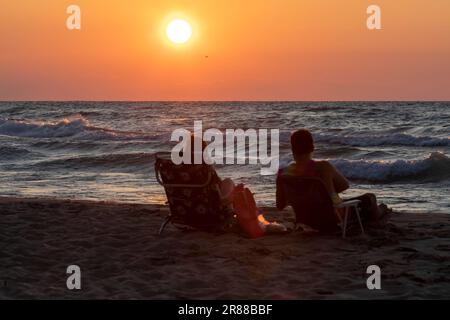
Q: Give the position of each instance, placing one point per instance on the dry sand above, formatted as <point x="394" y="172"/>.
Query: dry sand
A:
<point x="121" y="256"/>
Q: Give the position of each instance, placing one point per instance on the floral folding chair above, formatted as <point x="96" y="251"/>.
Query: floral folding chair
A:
<point x="193" y="195"/>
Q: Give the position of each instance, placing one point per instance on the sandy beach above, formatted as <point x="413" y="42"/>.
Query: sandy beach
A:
<point x="121" y="256"/>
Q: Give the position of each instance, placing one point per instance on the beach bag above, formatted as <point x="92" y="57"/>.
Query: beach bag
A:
<point x="247" y="213"/>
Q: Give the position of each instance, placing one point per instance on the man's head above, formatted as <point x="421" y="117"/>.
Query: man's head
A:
<point x="302" y="143"/>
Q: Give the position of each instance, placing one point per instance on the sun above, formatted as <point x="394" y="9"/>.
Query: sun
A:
<point x="179" y="31"/>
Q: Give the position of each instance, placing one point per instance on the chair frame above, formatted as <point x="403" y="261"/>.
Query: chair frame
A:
<point x="347" y="206"/>
<point x="174" y="185"/>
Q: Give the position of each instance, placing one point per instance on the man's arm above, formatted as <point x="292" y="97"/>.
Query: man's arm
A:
<point x="339" y="181"/>
<point x="334" y="181"/>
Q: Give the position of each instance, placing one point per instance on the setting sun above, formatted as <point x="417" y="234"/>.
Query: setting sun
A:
<point x="179" y="31"/>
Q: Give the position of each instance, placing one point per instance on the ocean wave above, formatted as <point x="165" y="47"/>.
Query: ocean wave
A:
<point x="436" y="167"/>
<point x="382" y="140"/>
<point x="115" y="162"/>
<point x="76" y="127"/>
<point x="335" y="152"/>
<point x="12" y="153"/>
<point x="326" y="108"/>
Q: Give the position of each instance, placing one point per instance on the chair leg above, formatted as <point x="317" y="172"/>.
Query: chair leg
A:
<point x="344" y="227"/>
<point x="358" y="216"/>
<point x="163" y="225"/>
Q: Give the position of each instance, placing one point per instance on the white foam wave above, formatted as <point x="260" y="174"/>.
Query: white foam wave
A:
<point x="76" y="127"/>
<point x="380" y="140"/>
<point x="435" y="167"/>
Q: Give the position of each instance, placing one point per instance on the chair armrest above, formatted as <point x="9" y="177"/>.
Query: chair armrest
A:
<point x="182" y="185"/>
<point x="349" y="203"/>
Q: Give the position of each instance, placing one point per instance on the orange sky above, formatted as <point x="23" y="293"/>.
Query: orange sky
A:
<point x="257" y="50"/>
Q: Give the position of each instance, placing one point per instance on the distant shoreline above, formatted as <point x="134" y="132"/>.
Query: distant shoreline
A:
<point x="237" y="101"/>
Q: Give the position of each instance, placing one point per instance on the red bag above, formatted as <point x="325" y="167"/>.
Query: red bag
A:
<point x="247" y="213"/>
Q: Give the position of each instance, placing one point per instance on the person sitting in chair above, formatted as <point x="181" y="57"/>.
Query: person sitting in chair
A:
<point x="240" y="200"/>
<point x="302" y="145"/>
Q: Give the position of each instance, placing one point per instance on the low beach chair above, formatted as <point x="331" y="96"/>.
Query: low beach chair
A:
<point x="313" y="205"/>
<point x="193" y="197"/>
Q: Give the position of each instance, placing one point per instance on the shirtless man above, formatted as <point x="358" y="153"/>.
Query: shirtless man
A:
<point x="302" y="144"/>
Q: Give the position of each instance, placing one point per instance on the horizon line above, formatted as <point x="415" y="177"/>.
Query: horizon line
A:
<point x="288" y="100"/>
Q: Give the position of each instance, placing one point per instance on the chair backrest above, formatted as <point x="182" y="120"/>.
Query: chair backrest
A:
<point x="311" y="202"/>
<point x="192" y="193"/>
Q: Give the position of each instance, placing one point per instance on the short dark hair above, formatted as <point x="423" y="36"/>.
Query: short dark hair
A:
<point x="302" y="142"/>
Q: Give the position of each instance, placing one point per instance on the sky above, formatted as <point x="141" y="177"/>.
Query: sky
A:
<point x="239" y="50"/>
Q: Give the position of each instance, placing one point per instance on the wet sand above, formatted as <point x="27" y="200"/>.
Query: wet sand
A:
<point x="121" y="256"/>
